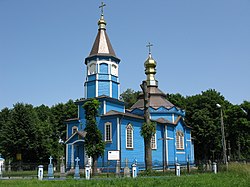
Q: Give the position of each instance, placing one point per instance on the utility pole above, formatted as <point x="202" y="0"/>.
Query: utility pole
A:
<point x="223" y="135"/>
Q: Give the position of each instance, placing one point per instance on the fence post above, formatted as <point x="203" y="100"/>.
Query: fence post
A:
<point x="214" y="167"/>
<point x="40" y="172"/>
<point x="177" y="169"/>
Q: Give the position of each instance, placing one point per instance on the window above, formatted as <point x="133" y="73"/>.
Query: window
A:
<point x="153" y="141"/>
<point x="179" y="140"/>
<point x="108" y="132"/>
<point x="74" y="129"/>
<point x="92" y="68"/>
<point x="129" y="136"/>
<point x="104" y="68"/>
<point x="114" y="70"/>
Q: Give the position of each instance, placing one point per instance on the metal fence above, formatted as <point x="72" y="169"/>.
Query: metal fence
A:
<point x="114" y="167"/>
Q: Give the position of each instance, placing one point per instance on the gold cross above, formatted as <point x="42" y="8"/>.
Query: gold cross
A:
<point x="101" y="6"/>
<point x="149" y="47"/>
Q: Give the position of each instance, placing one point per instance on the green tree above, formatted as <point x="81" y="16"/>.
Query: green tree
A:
<point x="21" y="134"/>
<point x="94" y="143"/>
<point x="147" y="129"/>
<point x="238" y="132"/>
<point x="177" y="99"/>
<point x="204" y="117"/>
<point x="5" y="116"/>
<point x="129" y="97"/>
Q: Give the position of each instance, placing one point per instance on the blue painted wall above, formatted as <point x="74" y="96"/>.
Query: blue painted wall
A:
<point x="115" y="90"/>
<point x="114" y="106"/>
<point x="91" y="87"/>
<point x="103" y="88"/>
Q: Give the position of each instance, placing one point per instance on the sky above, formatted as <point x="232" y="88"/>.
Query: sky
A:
<point x="197" y="44"/>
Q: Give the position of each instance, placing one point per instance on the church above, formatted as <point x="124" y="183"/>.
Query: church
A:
<point x="120" y="127"/>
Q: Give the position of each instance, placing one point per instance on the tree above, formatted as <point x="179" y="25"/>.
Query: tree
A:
<point x="148" y="129"/>
<point x="238" y="132"/>
<point x="204" y="117"/>
<point x="5" y="116"/>
<point x="94" y="143"/>
<point x="129" y="97"/>
<point x="177" y="99"/>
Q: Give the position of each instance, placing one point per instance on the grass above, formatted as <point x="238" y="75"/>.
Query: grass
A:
<point x="237" y="175"/>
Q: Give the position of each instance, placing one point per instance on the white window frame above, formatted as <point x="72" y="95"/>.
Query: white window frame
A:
<point x="106" y="132"/>
<point x="129" y="145"/>
<point x="91" y="69"/>
<point x="114" y="70"/>
<point x="153" y="142"/>
<point x="179" y="140"/>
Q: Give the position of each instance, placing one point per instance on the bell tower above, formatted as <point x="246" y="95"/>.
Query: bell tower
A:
<point x="102" y="66"/>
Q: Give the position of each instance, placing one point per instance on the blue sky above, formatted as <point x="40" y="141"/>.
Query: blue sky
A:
<point x="198" y="45"/>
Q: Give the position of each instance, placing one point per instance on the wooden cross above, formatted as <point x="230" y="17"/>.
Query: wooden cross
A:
<point x="77" y="160"/>
<point x="101" y="6"/>
<point x="149" y="47"/>
<point x="50" y="159"/>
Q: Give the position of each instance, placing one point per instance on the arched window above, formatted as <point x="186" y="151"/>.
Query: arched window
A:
<point x="179" y="140"/>
<point x="114" y="70"/>
<point x="153" y="142"/>
<point x="108" y="132"/>
<point x="74" y="129"/>
<point x="104" y="68"/>
<point x="92" y="68"/>
<point x="129" y="136"/>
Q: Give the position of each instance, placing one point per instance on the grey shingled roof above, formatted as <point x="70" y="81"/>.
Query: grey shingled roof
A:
<point x="157" y="99"/>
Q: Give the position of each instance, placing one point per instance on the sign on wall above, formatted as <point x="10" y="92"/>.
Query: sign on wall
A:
<point x="113" y="155"/>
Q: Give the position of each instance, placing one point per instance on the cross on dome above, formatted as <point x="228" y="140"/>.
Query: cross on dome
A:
<point x="102" y="6"/>
<point x="149" y="47"/>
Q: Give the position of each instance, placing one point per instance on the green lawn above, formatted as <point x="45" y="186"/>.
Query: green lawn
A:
<point x="238" y="175"/>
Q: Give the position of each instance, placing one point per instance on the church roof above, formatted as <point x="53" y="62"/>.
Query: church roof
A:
<point x="113" y="112"/>
<point x="104" y="97"/>
<point x="157" y="99"/>
<point x="102" y="45"/>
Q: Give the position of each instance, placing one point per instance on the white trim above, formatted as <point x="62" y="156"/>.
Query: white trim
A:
<point x="105" y="132"/>
<point x="96" y="88"/>
<point x="98" y="66"/>
<point x="67" y="154"/>
<point x="132" y="136"/>
<point x="72" y="156"/>
<point x="118" y="134"/>
<point x="180" y="152"/>
<point x="110" y="88"/>
<point x="180" y="143"/>
<point x="104" y="107"/>
<point x="169" y="138"/>
<point x="173" y="118"/>
<point x="77" y="141"/>
<point x="188" y="140"/>
<point x="119" y="91"/>
<point x="155" y="141"/>
<point x="166" y="144"/>
<point x="85" y="90"/>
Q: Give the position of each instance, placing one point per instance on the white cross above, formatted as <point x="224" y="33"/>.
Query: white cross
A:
<point x="62" y="158"/>
<point x="77" y="160"/>
<point x="50" y="159"/>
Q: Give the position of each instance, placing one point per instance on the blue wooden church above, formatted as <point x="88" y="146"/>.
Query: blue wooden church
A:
<point x="120" y="128"/>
